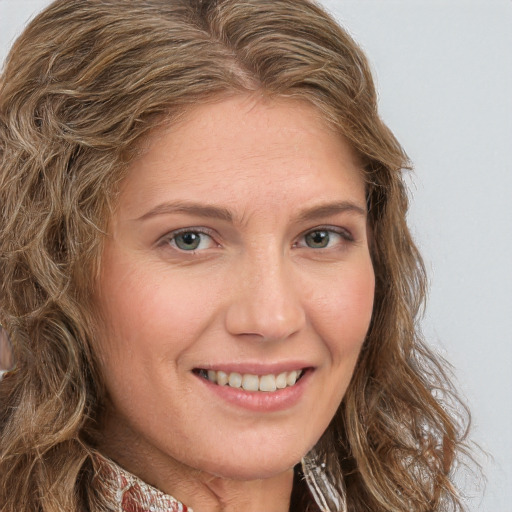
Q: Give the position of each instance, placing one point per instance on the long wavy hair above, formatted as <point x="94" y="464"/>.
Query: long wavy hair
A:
<point x="82" y="87"/>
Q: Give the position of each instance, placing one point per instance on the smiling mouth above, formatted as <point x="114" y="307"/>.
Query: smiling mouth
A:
<point x="250" y="382"/>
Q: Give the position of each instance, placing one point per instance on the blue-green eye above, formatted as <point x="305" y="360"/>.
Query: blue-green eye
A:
<point x="317" y="239"/>
<point x="324" y="238"/>
<point x="191" y="241"/>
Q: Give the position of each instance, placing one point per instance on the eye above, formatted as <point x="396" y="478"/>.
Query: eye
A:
<point x="317" y="239"/>
<point x="190" y="240"/>
<point x="324" y="238"/>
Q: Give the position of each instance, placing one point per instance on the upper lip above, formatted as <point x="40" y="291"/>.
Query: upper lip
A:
<point x="256" y="368"/>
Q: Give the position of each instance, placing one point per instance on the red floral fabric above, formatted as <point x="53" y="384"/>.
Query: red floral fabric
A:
<point x="124" y="492"/>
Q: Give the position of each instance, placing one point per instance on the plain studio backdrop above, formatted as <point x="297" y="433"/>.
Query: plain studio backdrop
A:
<point x="444" y="75"/>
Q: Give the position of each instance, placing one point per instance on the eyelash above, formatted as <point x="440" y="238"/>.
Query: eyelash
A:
<point x="170" y="239"/>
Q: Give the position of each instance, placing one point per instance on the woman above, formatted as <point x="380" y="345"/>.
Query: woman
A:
<point x="206" y="271"/>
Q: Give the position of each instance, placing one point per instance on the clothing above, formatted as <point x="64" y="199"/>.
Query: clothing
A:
<point x="125" y="492"/>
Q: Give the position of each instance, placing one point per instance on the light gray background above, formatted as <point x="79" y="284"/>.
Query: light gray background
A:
<point x="444" y="73"/>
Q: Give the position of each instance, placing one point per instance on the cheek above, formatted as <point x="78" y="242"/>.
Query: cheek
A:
<point x="151" y="312"/>
<point x="344" y="311"/>
<point x="149" y="323"/>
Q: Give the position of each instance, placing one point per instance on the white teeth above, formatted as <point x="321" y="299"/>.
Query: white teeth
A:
<point x="235" y="380"/>
<point x="281" y="381"/>
<point x="268" y="383"/>
<point x="291" y="378"/>
<point x="222" y="378"/>
<point x="251" y="382"/>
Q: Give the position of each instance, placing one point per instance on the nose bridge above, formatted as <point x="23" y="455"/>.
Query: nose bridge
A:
<point x="266" y="301"/>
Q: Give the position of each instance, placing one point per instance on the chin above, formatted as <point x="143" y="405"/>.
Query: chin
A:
<point x="245" y="466"/>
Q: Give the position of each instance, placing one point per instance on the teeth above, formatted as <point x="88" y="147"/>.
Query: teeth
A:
<point x="222" y="378"/>
<point x="250" y="382"/>
<point x="291" y="378"/>
<point x="235" y="380"/>
<point x="281" y="381"/>
<point x="268" y="383"/>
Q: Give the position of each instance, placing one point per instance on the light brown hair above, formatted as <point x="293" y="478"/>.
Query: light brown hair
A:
<point x="82" y="86"/>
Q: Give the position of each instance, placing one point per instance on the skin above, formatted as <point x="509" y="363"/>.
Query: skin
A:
<point x="254" y="292"/>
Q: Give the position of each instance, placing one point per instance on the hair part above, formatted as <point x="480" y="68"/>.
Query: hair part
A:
<point x="85" y="83"/>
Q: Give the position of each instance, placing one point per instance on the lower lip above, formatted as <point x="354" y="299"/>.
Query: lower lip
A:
<point x="261" y="401"/>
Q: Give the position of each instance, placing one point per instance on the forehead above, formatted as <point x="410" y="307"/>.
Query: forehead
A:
<point x="239" y="146"/>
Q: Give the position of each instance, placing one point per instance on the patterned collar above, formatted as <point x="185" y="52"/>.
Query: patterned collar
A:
<point x="124" y="492"/>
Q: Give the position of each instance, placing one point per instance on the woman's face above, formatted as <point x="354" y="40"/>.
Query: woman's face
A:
<point x="238" y="256"/>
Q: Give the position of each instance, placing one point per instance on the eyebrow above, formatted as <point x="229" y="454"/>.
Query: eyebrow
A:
<point x="198" y="209"/>
<point x="221" y="213"/>
<point x="328" y="209"/>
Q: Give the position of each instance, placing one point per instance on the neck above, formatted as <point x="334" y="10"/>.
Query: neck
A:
<point x="271" y="494"/>
<point x="197" y="490"/>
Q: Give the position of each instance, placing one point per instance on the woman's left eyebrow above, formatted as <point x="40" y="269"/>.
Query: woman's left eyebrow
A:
<point x="329" y="209"/>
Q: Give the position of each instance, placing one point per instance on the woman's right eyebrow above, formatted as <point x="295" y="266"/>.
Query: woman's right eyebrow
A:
<point x="198" y="209"/>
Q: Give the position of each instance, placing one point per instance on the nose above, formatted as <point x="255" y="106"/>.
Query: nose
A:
<point x="265" y="301"/>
